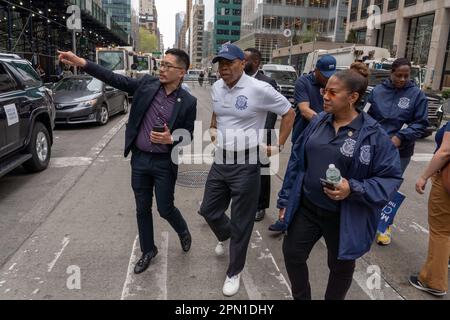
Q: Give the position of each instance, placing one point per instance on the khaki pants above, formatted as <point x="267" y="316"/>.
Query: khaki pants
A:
<point x="434" y="273"/>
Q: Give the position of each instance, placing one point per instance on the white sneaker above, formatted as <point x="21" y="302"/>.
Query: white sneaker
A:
<point x="231" y="285"/>
<point x="220" y="249"/>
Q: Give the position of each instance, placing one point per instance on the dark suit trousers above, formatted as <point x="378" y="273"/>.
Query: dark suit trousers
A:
<point x="264" y="192"/>
<point x="150" y="171"/>
<point x="238" y="183"/>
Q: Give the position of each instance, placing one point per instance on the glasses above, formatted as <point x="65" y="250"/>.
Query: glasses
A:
<point x="332" y="93"/>
<point x="167" y="66"/>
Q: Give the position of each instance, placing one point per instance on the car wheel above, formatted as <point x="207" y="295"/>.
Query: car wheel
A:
<point x="39" y="148"/>
<point x="103" y="116"/>
<point x="125" y="105"/>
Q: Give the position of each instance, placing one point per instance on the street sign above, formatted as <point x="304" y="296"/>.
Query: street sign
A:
<point x="287" y="33"/>
<point x="156" y="52"/>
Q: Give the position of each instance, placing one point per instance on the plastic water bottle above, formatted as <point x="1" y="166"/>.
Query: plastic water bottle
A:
<point x="333" y="174"/>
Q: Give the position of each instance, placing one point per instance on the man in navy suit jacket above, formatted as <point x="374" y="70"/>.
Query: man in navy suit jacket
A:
<point x="160" y="106"/>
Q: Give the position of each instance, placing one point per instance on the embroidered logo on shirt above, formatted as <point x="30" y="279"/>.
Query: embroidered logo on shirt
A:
<point x="364" y="156"/>
<point x="403" y="103"/>
<point x="241" y="103"/>
<point x="348" y="147"/>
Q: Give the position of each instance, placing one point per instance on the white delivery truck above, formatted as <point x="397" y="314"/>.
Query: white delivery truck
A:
<point x="117" y="59"/>
<point x="346" y="56"/>
<point x="285" y="76"/>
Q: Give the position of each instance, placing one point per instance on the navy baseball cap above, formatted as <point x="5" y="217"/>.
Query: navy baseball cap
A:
<point x="326" y="65"/>
<point x="230" y="52"/>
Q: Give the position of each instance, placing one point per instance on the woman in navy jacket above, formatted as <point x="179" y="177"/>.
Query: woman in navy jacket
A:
<point x="347" y="217"/>
<point x="401" y="108"/>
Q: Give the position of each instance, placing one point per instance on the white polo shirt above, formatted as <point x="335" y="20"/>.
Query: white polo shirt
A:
<point x="242" y="110"/>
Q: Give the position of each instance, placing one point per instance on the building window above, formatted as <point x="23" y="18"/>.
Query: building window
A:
<point x="361" y="36"/>
<point x="379" y="3"/>
<point x="392" y="5"/>
<point x="223" y="31"/>
<point x="236" y="23"/>
<point x="224" y="1"/>
<point x="419" y="39"/>
<point x="354" y="11"/>
<point x="237" y="1"/>
<point x="410" y="3"/>
<point x="365" y="5"/>
<point x="386" y="36"/>
<point x="235" y="32"/>
<point x="445" y="81"/>
<point x="223" y="22"/>
<point x="236" y="12"/>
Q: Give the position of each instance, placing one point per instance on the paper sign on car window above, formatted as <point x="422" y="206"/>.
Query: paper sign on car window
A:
<point x="11" y="114"/>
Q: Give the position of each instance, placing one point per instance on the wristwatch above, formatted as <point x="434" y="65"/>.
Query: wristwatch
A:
<point x="280" y="147"/>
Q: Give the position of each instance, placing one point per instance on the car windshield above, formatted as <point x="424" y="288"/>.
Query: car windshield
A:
<point x="142" y="63"/>
<point x="378" y="76"/>
<point x="282" y="77"/>
<point x="91" y="85"/>
<point x="111" y="60"/>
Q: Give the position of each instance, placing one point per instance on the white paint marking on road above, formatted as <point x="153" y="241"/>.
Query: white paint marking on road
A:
<point x="418" y="227"/>
<point x="161" y="277"/>
<point x="64" y="162"/>
<point x="12" y="266"/>
<point x="48" y="203"/>
<point x="35" y="291"/>
<point x="280" y="277"/>
<point x="7" y="290"/>
<point x="129" y="278"/>
<point x="361" y="276"/>
<point x="422" y="157"/>
<point x="250" y="286"/>
<point x="101" y="144"/>
<point x="64" y="243"/>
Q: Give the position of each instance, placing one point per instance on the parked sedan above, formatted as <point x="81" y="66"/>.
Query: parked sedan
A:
<point x="84" y="99"/>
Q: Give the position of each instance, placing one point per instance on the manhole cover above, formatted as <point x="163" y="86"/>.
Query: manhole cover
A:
<point x="192" y="178"/>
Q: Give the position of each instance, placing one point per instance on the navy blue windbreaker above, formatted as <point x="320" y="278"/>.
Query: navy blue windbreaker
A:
<point x="372" y="183"/>
<point x="393" y="108"/>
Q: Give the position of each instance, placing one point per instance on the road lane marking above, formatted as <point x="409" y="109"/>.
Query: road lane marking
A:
<point x="422" y="157"/>
<point x="418" y="227"/>
<point x="48" y="203"/>
<point x="64" y="162"/>
<point x="129" y="278"/>
<point x="160" y="274"/>
<point x="64" y="243"/>
<point x="161" y="277"/>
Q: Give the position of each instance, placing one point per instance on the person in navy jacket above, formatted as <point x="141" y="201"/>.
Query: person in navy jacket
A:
<point x="401" y="108"/>
<point x="347" y="217"/>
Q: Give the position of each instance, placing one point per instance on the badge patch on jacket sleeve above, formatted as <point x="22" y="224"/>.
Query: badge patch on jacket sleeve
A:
<point x="364" y="155"/>
<point x="348" y="147"/>
<point x="403" y="103"/>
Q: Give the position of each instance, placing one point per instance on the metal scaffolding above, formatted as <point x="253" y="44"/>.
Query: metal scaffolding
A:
<point x="35" y="29"/>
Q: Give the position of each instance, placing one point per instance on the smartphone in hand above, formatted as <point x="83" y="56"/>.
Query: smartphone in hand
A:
<point x="158" y="128"/>
<point x="327" y="184"/>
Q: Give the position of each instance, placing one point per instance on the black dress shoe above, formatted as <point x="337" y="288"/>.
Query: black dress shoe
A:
<point x="144" y="261"/>
<point x="185" y="240"/>
<point x="260" y="215"/>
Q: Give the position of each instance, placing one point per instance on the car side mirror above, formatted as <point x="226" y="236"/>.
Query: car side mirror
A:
<point x="109" y="88"/>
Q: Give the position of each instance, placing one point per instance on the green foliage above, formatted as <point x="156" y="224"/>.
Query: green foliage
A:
<point x="351" y="38"/>
<point x="446" y="94"/>
<point x="147" y="41"/>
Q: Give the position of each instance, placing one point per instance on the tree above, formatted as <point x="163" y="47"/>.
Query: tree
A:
<point x="351" y="38"/>
<point x="147" y="40"/>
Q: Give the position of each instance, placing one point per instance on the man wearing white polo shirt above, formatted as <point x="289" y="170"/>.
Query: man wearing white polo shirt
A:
<point x="240" y="106"/>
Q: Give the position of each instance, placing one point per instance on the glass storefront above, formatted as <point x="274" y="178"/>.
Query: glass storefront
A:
<point x="419" y="39"/>
<point x="385" y="37"/>
<point x="445" y="82"/>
